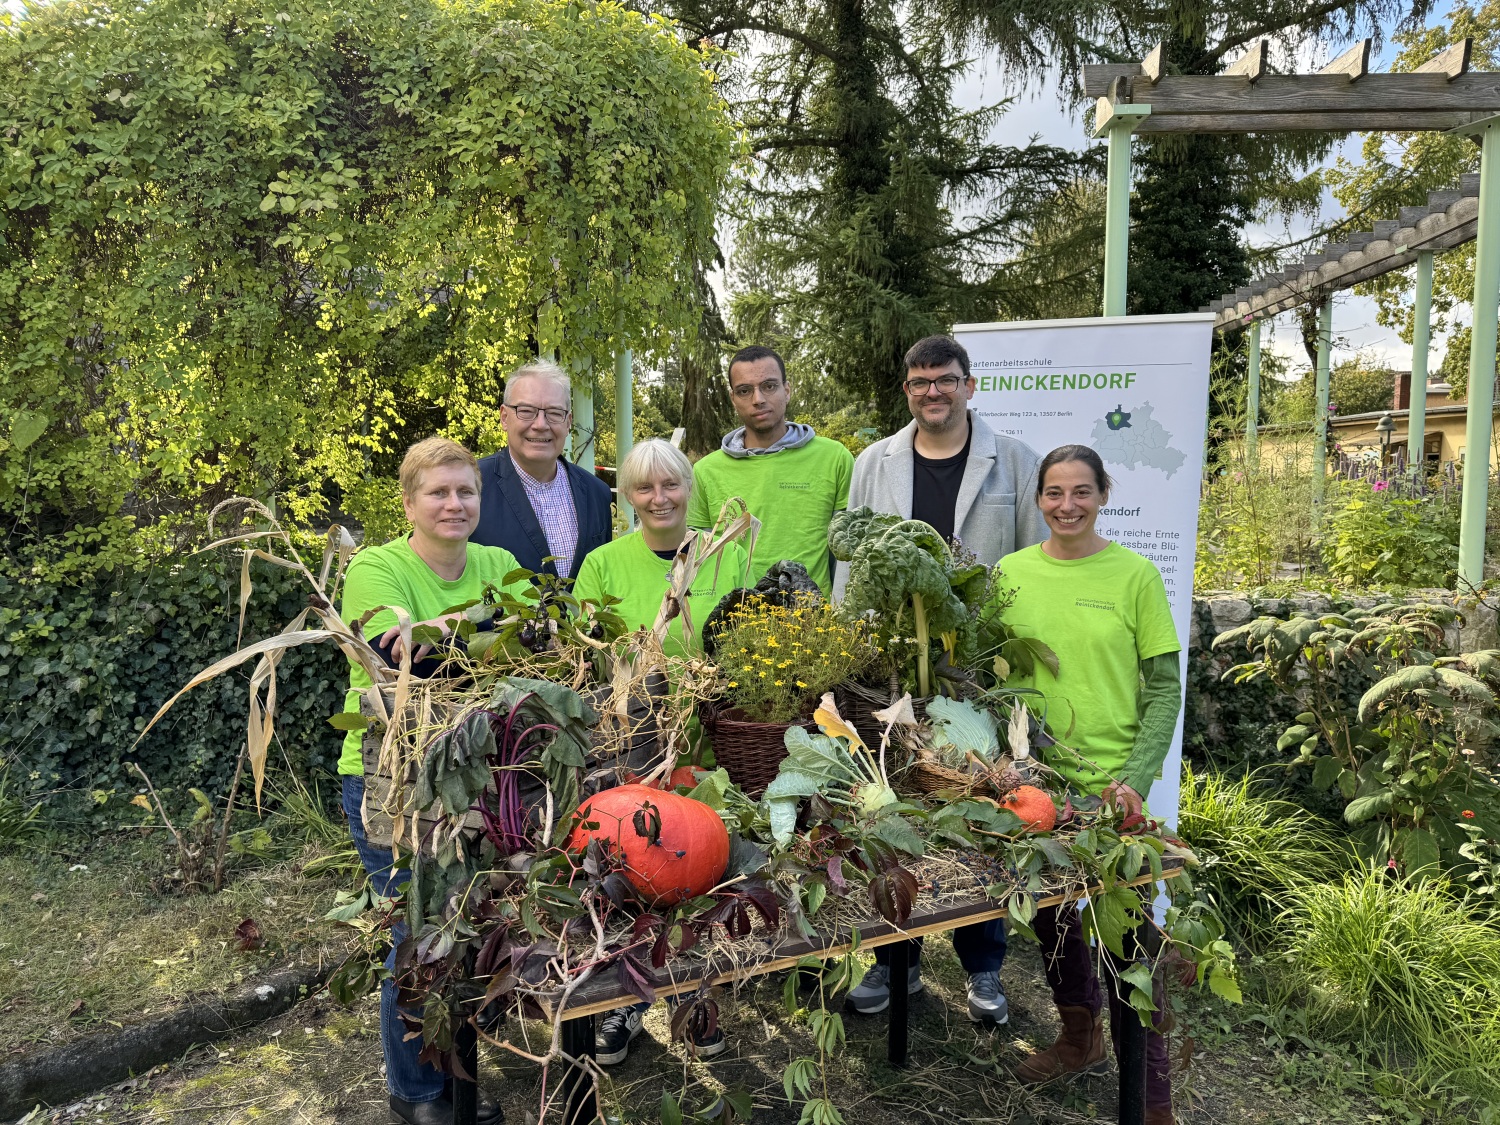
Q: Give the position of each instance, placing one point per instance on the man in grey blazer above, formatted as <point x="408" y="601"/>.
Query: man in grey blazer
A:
<point x="948" y="468"/>
<point x="951" y="470"/>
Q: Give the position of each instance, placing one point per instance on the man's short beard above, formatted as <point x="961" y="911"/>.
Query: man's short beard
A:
<point x="955" y="416"/>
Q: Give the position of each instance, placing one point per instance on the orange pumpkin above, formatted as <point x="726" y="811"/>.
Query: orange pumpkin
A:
<point x="1033" y="806"/>
<point x="688" y="856"/>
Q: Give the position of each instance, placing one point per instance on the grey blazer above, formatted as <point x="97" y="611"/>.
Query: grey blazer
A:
<point x="996" y="511"/>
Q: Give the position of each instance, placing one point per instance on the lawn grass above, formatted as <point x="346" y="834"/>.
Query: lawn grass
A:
<point x="98" y="937"/>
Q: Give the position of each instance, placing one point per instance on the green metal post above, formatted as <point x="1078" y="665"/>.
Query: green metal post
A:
<point x="1117" y="219"/>
<point x="1117" y="122"/>
<point x="1421" y="336"/>
<point x="624" y="419"/>
<point x="1481" y="400"/>
<point x="583" y="414"/>
<point x="1252" y="399"/>
<point x="1320" y="409"/>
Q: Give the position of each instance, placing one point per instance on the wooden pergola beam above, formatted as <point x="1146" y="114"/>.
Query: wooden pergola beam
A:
<point x="1449" y="219"/>
<point x="1252" y="64"/>
<point x="1439" y="121"/>
<point x="1353" y="64"/>
<point x="1209" y="94"/>
<point x="1450" y="62"/>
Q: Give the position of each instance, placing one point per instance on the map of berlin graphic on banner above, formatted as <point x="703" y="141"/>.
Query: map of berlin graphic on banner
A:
<point x="1133" y="437"/>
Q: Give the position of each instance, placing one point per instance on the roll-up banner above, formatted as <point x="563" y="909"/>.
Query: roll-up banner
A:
<point x="1135" y="389"/>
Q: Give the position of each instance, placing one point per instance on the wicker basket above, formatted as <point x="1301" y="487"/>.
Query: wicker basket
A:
<point x="749" y="750"/>
<point x="858" y="704"/>
<point x="929" y="777"/>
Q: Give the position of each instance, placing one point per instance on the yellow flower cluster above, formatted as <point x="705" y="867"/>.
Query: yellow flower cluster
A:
<point x="778" y="659"/>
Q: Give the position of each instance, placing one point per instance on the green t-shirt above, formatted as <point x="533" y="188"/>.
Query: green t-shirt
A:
<point x="394" y="574"/>
<point x="631" y="571"/>
<point x="793" y="492"/>
<point x="1102" y="615"/>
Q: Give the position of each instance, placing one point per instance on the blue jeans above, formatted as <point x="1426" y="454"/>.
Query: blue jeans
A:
<point x="980" y="947"/>
<point x="407" y="1078"/>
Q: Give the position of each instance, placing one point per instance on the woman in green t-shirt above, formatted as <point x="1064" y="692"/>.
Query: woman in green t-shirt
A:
<point x="425" y="573"/>
<point x="656" y="479"/>
<point x="1115" y="699"/>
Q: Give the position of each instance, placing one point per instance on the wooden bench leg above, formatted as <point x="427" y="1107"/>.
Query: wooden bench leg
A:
<point x="580" y="1097"/>
<point x="900" y="964"/>
<point x="466" y="1091"/>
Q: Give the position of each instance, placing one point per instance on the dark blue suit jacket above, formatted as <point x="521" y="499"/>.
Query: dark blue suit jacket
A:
<point x="506" y="519"/>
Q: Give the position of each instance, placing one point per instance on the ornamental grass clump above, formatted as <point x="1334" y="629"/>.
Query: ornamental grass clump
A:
<point x="1401" y="964"/>
<point x="777" y="660"/>
<point x="1263" y="848"/>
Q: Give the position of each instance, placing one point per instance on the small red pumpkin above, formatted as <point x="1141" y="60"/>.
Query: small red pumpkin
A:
<point x="688" y="856"/>
<point x="1033" y="806"/>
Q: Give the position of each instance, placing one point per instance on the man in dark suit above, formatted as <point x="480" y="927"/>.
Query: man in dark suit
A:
<point x="532" y="502"/>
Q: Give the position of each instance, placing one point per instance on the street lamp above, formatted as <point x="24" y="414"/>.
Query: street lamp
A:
<point x="1385" y="428"/>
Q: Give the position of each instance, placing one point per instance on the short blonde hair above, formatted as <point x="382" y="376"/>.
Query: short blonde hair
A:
<point x="649" y="460"/>
<point x="432" y="453"/>
<point x="539" y="369"/>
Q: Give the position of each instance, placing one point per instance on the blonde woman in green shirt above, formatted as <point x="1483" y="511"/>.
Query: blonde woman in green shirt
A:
<point x="1116" y="696"/>
<point x="426" y="573"/>
<point x="656" y="479"/>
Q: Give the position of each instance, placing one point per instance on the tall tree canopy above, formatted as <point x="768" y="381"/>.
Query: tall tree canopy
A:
<point x="1193" y="194"/>
<point x="877" y="212"/>
<point x="257" y="247"/>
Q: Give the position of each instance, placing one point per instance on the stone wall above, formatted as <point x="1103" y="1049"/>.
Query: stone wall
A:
<point x="1218" y="611"/>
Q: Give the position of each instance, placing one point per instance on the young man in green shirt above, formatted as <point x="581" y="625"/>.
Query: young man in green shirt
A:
<point x="792" y="480"/>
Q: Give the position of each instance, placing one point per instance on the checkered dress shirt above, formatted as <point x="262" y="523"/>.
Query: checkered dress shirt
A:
<point x="553" y="504"/>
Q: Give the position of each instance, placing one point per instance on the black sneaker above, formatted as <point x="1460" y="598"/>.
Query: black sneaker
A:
<point x="706" y="1046"/>
<point x="710" y="1046"/>
<point x="616" y="1030"/>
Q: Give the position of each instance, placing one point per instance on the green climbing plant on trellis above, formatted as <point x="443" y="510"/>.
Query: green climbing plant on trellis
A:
<point x="259" y="247"/>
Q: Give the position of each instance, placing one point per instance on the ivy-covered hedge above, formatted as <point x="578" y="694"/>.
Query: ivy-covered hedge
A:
<point x="84" y="667"/>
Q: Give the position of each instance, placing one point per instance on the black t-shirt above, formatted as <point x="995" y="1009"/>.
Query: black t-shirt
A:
<point x="935" y="485"/>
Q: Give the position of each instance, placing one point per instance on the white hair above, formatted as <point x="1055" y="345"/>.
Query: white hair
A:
<point x="651" y="460"/>
<point x="539" y="369"/>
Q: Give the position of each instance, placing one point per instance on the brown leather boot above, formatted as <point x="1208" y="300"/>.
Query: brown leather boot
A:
<point x="1160" y="1115"/>
<point x="1079" y="1049"/>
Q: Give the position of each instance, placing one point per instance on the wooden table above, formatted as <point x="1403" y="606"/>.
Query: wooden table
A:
<point x="604" y="994"/>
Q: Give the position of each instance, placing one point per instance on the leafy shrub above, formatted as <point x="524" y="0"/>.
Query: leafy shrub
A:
<point x="1375" y="537"/>
<point x="1356" y="386"/>
<point x="83" y="668"/>
<point x="1265" y="849"/>
<point x="1411" y="759"/>
<point x="195" y="304"/>
<point x="1394" y="963"/>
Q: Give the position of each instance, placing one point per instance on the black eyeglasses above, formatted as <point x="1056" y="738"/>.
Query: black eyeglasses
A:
<point x="945" y="383"/>
<point x="768" y="388"/>
<point x="555" y="415"/>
